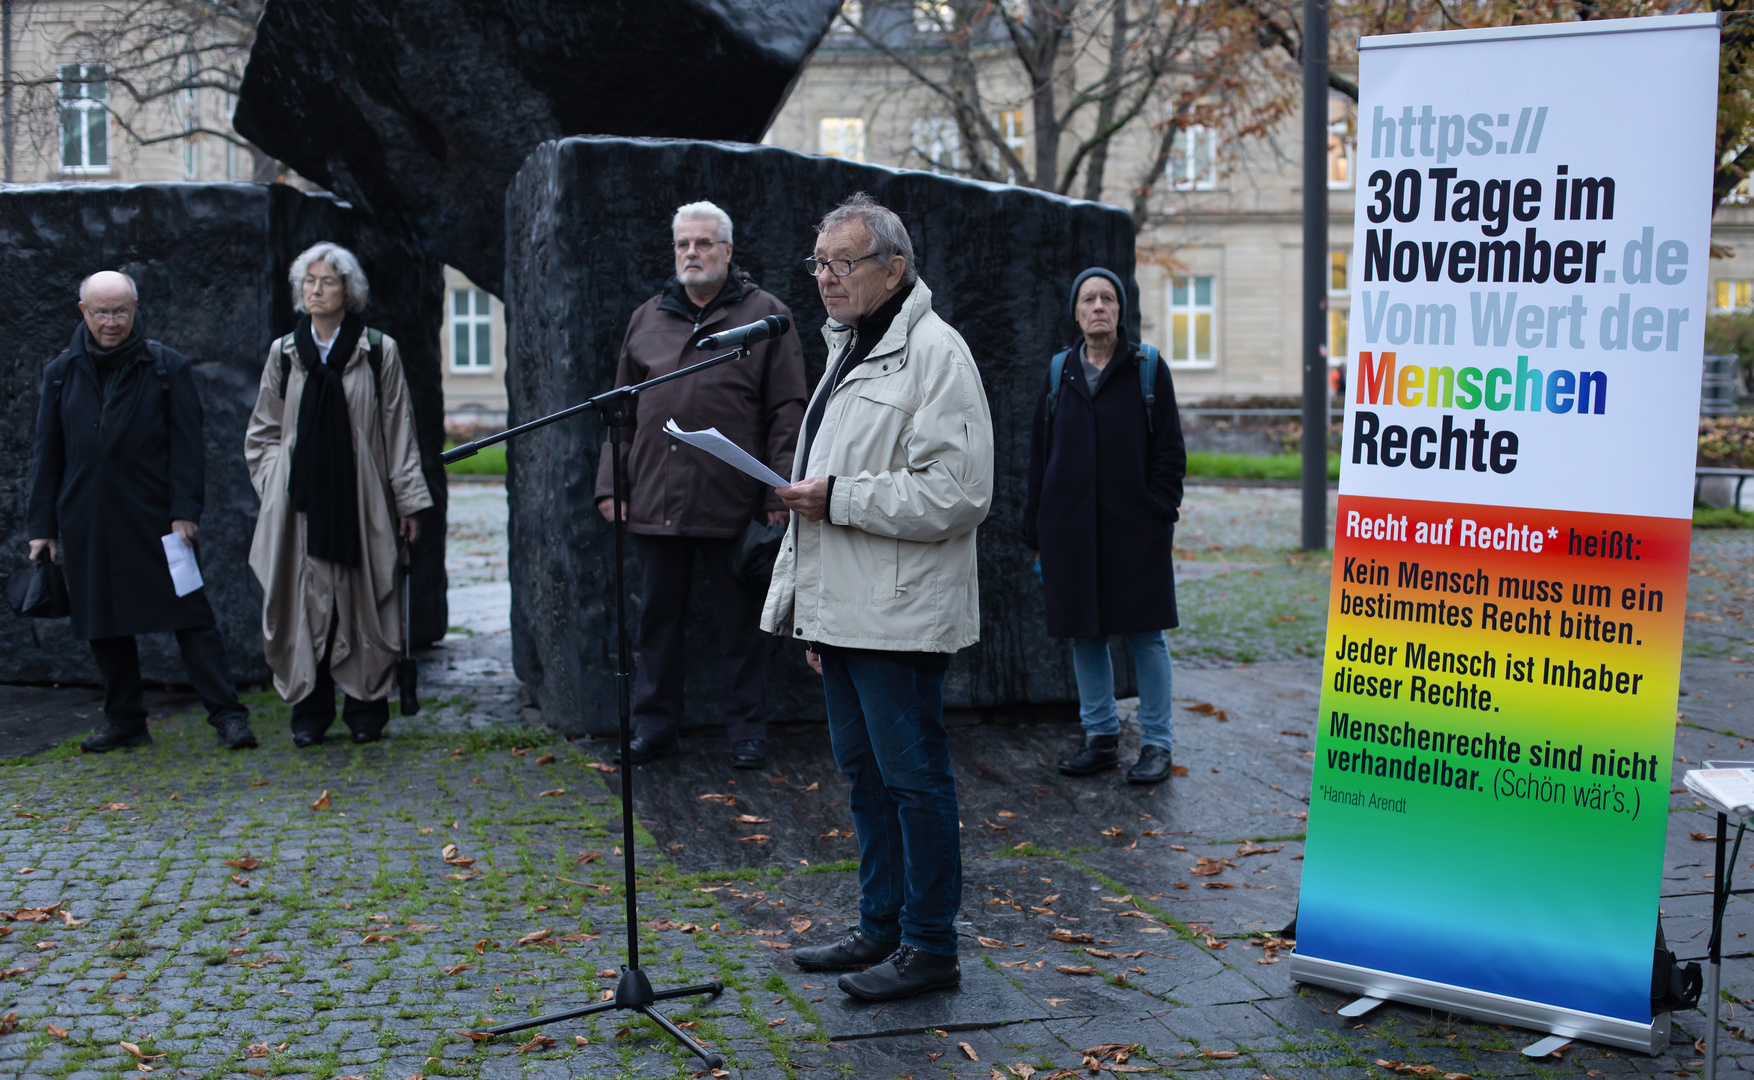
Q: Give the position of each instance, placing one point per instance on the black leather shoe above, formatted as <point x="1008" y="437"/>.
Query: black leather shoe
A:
<point x="1152" y="767"/>
<point x="367" y="735"/>
<point x="905" y="974"/>
<point x="1098" y="754"/>
<point x="647" y="748"/>
<point x="749" y="754"/>
<point x="851" y="953"/>
<point x="302" y="739"/>
<point x="235" y="734"/>
<point x="113" y="736"/>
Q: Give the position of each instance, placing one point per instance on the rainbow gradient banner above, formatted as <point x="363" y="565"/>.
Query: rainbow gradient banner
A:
<point x="1490" y="791"/>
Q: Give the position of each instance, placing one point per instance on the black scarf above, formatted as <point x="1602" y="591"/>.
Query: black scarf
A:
<point x="110" y="363"/>
<point x="323" y="483"/>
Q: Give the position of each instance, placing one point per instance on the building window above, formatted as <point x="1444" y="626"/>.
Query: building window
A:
<point x="1340" y="142"/>
<point x="841" y="137"/>
<point x="1009" y="124"/>
<point x="85" y="121"/>
<point x="1337" y="320"/>
<point x="1337" y="284"/>
<point x="1734" y="295"/>
<point x="1190" y="323"/>
<point x="1192" y="163"/>
<point x="937" y="145"/>
<point x="471" y="331"/>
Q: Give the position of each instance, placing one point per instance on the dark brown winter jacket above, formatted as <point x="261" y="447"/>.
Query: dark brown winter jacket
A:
<point x="757" y="402"/>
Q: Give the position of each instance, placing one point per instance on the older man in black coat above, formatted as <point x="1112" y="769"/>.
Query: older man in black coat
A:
<point x="119" y="465"/>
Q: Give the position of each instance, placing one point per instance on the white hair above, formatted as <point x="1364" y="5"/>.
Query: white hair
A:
<point x="132" y="288"/>
<point x="341" y="261"/>
<point x="888" y="235"/>
<point x="707" y="210"/>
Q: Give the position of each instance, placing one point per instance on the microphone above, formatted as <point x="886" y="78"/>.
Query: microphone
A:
<point x="771" y="327"/>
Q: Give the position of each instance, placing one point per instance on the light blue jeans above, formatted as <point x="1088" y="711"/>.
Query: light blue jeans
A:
<point x="1096" y="686"/>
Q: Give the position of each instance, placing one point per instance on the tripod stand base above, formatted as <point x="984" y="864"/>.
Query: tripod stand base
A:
<point x="634" y="993"/>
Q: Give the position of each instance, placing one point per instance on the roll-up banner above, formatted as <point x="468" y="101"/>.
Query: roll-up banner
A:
<point x="1491" y="778"/>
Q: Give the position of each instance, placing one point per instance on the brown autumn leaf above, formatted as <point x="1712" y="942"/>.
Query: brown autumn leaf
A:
<point x="57" y="1032"/>
<point x="580" y="1040"/>
<point x="35" y="914"/>
<point x="1258" y="849"/>
<point x="600" y="767"/>
<point x="1702" y="836"/>
<point x="9" y="972"/>
<point x="1072" y="937"/>
<point x="520" y="751"/>
<point x="995" y="826"/>
<point x="8" y="1023"/>
<point x="138" y="1054"/>
<point x="377" y="939"/>
<point x="776" y="1023"/>
<point x="727" y="800"/>
<point x="453" y="856"/>
<point x="1205" y="867"/>
<point x="240" y="882"/>
<point x="323" y="801"/>
<point x="535" y="936"/>
<point x="484" y="944"/>
<point x="1112" y="830"/>
<point x="551" y="792"/>
<point x="1223" y="885"/>
<point x="546" y="759"/>
<point x="776" y="946"/>
<point x="257" y="1050"/>
<point x="751" y="819"/>
<point x="1106" y="955"/>
<point x="478" y="1036"/>
<point x="68" y="919"/>
<point x="538" y="1041"/>
<point x="1135" y="914"/>
<point x="454" y="968"/>
<point x="968" y="1050"/>
<point x="1074" y="969"/>
<point x="580" y="937"/>
<point x="991" y="943"/>
<point x="1022" y="1071"/>
<point x="115" y="806"/>
<point x="814" y="785"/>
<point x="1214" y="943"/>
<point x="421" y="927"/>
<point x="587" y="857"/>
<point x="1469" y="1076"/>
<point x="758" y="838"/>
<point x="246" y="861"/>
<point x="1219" y="1055"/>
<point x="800" y="924"/>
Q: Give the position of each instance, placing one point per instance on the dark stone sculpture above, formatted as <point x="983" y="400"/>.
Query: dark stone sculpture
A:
<point x="589" y="222"/>
<point x="211" y="262"/>
<point x="420" y="111"/>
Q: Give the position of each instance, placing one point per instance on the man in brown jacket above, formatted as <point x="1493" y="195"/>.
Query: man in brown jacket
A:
<point x="684" y="501"/>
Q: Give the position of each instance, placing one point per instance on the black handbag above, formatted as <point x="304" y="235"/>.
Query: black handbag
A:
<point x="408" y="668"/>
<point x="39" y="592"/>
<point x="752" y="558"/>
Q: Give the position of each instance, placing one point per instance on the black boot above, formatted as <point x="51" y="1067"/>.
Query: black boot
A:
<point x="646" y="748"/>
<point x="114" y="736"/>
<point x="1099" y="753"/>
<point x="749" y="754"/>
<point x="851" y="953"/>
<point x="234" y="733"/>
<point x="1152" y="767"/>
<point x="905" y="974"/>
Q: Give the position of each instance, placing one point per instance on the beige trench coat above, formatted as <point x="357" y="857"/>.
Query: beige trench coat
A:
<point x="909" y="440"/>
<point x="302" y="594"/>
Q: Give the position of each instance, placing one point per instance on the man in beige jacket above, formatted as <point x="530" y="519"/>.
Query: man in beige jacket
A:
<point x="876" y="578"/>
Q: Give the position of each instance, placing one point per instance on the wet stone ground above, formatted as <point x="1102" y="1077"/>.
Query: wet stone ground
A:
<point x="346" y="911"/>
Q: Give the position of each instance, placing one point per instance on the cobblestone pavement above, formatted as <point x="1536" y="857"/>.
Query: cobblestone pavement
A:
<point x="217" y="909"/>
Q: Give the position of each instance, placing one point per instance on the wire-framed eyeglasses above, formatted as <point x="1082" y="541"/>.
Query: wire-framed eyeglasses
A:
<point x="838" y="267"/>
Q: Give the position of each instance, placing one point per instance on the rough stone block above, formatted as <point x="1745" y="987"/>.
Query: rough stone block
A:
<point x="211" y="261"/>
<point x="588" y="222"/>
<point x="421" y="110"/>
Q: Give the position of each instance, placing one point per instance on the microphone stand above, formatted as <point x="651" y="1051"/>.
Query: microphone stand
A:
<point x="633" y="992"/>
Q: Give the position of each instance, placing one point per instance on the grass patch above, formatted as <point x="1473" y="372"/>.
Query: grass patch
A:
<point x="1712" y="517"/>
<point x="1253" y="466"/>
<point x="489" y="462"/>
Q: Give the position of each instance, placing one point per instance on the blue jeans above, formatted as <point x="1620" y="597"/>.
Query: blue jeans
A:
<point x="886" y="723"/>
<point x="1096" y="687"/>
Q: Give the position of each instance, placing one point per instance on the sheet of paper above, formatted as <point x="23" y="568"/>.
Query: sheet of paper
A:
<point x="727" y="451"/>
<point x="185" y="574"/>
<point x="1730" y="789"/>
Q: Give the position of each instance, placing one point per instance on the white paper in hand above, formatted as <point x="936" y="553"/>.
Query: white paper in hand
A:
<point x="727" y="451"/>
<point x="185" y="574"/>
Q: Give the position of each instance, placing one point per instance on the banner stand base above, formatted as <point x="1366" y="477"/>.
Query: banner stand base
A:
<point x="1649" y="1038"/>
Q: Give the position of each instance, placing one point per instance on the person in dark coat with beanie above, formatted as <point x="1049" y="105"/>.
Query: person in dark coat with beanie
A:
<point x="1105" y="490"/>
<point x="120" y="461"/>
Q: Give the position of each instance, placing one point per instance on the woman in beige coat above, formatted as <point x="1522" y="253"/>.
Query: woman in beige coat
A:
<point x="331" y="453"/>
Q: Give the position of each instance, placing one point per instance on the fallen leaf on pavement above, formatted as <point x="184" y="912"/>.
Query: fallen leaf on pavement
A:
<point x="1056" y="1002"/>
<point x="67" y="918"/>
<point x="587" y="857"/>
<point x="1205" y="867"/>
<point x="1112" y="830"/>
<point x="1214" y="943"/>
<point x="608" y="973"/>
<point x="776" y="1023"/>
<point x="454" y="968"/>
<point x="244" y="862"/>
<point x="1258" y="849"/>
<point x="135" y="1050"/>
<point x="1022" y="1071"/>
<point x="478" y="1036"/>
<point x="728" y="800"/>
<point x="8" y="1023"/>
<point x="799" y="925"/>
<point x="1219" y="1055"/>
<point x="969" y="1050"/>
<point x="535" y="936"/>
<point x="240" y="882"/>
<point x="1074" y="969"/>
<point x="323" y="801"/>
<point x="580" y="1040"/>
<point x="57" y="1032"/>
<point x="813" y="786"/>
<point x="538" y="1041"/>
<point x="34" y="914"/>
<point x="600" y="767"/>
<point x="482" y="946"/>
<point x="453" y="856"/>
<point x="115" y="806"/>
<point x="1072" y="937"/>
<point x="758" y="838"/>
<point x="1178" y="770"/>
<point x="991" y="943"/>
<point x="551" y="791"/>
<point x="751" y="819"/>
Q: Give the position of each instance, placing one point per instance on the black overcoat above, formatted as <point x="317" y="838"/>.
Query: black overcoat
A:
<point x="109" y="479"/>
<point x="1104" y="495"/>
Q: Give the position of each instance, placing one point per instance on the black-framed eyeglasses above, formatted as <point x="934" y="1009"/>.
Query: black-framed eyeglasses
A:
<point x="838" y="267"/>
